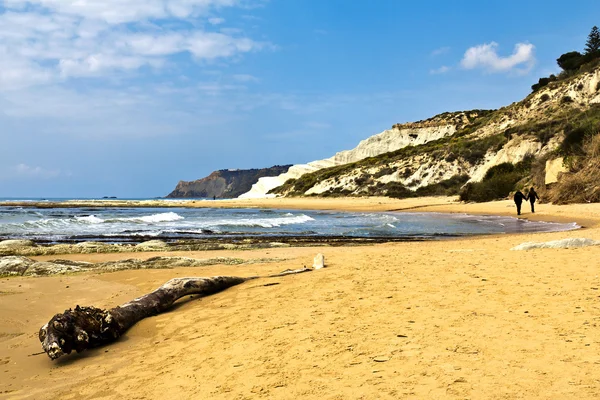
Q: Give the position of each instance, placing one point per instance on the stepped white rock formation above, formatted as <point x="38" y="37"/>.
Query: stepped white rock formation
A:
<point x="420" y="169"/>
<point x="398" y="137"/>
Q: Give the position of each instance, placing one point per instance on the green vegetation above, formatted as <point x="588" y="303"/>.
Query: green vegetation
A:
<point x="471" y="151"/>
<point x="563" y="119"/>
<point x="573" y="62"/>
<point x="578" y="130"/>
<point x="498" y="182"/>
<point x="458" y="146"/>
<point x="544" y="81"/>
<point x="592" y="46"/>
<point x="447" y="187"/>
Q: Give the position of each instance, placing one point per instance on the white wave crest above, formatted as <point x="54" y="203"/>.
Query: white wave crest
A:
<point x="155" y="218"/>
<point x="90" y="219"/>
<point x="265" y="222"/>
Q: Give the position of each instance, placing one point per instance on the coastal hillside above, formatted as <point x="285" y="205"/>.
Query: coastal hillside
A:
<point x="224" y="184"/>
<point x="400" y="136"/>
<point x="519" y="140"/>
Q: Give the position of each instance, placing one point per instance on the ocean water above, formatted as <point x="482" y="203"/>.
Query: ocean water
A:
<point x="137" y="224"/>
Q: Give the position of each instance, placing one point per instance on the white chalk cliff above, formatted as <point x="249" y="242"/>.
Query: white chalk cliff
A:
<point x="474" y="142"/>
<point x="398" y="137"/>
<point x="468" y="144"/>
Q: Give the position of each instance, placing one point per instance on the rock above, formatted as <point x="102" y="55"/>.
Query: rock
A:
<point x="14" y="265"/>
<point x="16" y="243"/>
<point x="91" y="244"/>
<point x="278" y="244"/>
<point x="152" y="245"/>
<point x="23" y="266"/>
<point x="570" y="243"/>
<point x="553" y="169"/>
<point x="319" y="261"/>
<point x="171" y="262"/>
<point x="50" y="268"/>
<point x="93" y="247"/>
<point x="225" y="183"/>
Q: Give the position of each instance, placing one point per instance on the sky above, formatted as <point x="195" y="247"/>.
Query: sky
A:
<point x="127" y="97"/>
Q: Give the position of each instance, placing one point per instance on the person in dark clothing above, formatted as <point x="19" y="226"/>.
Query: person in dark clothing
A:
<point x="532" y="196"/>
<point x="518" y="200"/>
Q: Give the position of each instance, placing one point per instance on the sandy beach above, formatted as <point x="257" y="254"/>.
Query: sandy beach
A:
<point x="461" y="318"/>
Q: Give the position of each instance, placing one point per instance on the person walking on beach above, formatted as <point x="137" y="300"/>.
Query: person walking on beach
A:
<point x="532" y="196"/>
<point x="519" y="196"/>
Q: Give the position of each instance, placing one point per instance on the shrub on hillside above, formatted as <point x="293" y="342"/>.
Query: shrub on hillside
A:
<point x="397" y="190"/>
<point x="566" y="99"/>
<point x="573" y="141"/>
<point x="473" y="151"/>
<point x="543" y="82"/>
<point x="498" y="182"/>
<point x="571" y="61"/>
<point x="383" y="172"/>
<point x="500" y="169"/>
<point x="447" y="187"/>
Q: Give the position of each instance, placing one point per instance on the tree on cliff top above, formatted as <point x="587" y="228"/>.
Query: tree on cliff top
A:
<point x="592" y="46"/>
<point x="570" y="61"/>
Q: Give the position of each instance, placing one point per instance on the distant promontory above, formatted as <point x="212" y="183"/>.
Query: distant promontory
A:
<point x="225" y="183"/>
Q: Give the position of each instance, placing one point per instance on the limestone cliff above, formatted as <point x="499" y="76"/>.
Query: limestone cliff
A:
<point x="225" y="183"/>
<point x="463" y="144"/>
<point x="400" y="136"/>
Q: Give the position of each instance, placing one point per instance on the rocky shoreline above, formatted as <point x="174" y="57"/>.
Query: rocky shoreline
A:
<point x="23" y="266"/>
<point x="30" y="248"/>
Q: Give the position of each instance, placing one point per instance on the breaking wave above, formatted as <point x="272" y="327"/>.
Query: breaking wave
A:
<point x="287" y="219"/>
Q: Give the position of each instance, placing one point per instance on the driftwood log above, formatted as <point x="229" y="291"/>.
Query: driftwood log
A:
<point x="87" y="327"/>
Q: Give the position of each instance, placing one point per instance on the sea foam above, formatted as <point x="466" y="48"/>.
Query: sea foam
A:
<point x="263" y="222"/>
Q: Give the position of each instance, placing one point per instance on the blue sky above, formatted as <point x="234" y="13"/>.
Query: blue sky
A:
<point x="127" y="97"/>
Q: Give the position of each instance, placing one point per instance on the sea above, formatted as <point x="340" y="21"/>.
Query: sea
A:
<point x="125" y="224"/>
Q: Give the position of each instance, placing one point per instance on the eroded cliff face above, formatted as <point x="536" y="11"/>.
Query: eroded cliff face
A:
<point x="400" y="136"/>
<point x="420" y="154"/>
<point x="224" y="184"/>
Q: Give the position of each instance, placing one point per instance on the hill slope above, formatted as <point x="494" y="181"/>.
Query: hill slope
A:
<point x="400" y="136"/>
<point x="540" y="126"/>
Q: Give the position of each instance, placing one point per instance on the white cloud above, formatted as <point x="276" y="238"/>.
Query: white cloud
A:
<point x="45" y="41"/>
<point x="121" y="11"/>
<point x="485" y="56"/>
<point x="441" y="70"/>
<point x="440" y="51"/>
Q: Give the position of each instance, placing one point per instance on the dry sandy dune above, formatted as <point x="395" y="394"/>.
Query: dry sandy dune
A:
<point x="457" y="319"/>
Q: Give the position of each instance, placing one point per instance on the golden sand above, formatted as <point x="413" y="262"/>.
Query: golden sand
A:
<point x="464" y="318"/>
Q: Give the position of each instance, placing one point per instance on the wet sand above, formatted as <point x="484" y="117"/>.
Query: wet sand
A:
<point x="463" y="318"/>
